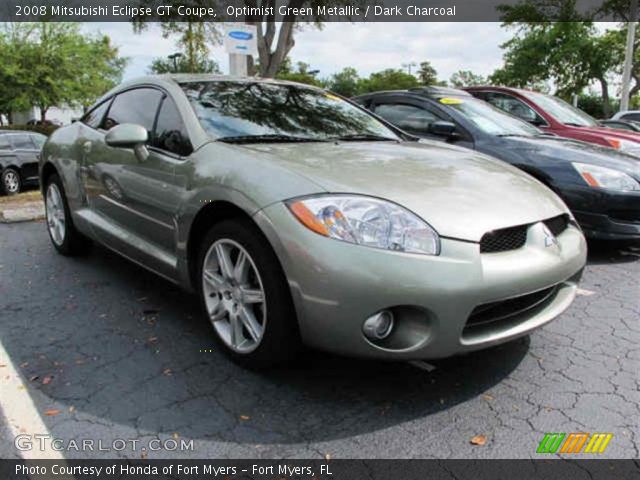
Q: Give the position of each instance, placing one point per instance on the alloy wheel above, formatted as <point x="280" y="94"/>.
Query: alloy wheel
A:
<point x="234" y="296"/>
<point x="56" y="219"/>
<point x="11" y="182"/>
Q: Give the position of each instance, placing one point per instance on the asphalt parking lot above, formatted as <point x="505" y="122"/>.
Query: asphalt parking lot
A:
<point x="108" y="351"/>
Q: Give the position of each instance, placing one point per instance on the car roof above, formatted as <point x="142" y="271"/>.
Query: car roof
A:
<point x="179" y="78"/>
<point x="429" y="92"/>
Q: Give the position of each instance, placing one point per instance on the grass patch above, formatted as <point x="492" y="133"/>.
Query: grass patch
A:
<point x="24" y="197"/>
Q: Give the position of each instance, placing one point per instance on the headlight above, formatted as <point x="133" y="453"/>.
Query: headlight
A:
<point x="626" y="146"/>
<point x="606" y="177"/>
<point x="366" y="221"/>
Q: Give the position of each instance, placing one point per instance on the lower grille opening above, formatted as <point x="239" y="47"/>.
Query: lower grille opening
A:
<point x="625" y="215"/>
<point x="505" y="310"/>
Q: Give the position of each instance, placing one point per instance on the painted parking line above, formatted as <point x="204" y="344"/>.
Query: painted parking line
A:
<point x="20" y="414"/>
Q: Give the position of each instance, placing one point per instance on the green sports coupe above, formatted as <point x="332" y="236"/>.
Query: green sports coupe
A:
<point x="300" y="218"/>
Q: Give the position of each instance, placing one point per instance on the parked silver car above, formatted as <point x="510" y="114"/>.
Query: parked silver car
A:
<point x="300" y="218"/>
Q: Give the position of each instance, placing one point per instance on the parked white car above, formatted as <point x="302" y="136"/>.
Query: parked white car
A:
<point x="633" y="115"/>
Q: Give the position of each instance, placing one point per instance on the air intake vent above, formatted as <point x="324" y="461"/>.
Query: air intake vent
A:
<point x="504" y="240"/>
<point x="557" y="225"/>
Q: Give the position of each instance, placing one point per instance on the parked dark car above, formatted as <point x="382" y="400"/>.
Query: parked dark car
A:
<point x="621" y="124"/>
<point x="554" y="115"/>
<point x="600" y="185"/>
<point x="19" y="159"/>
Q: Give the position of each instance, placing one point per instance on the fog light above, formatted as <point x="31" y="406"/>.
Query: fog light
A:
<point x="378" y="326"/>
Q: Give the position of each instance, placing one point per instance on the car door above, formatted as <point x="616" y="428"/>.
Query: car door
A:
<point x="26" y="154"/>
<point x="135" y="199"/>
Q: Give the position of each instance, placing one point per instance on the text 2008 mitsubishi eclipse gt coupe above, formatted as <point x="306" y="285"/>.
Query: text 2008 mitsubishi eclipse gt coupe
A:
<point x="301" y="218"/>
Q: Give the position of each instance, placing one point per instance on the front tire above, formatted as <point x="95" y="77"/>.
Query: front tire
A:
<point x="63" y="234"/>
<point x="246" y="297"/>
<point x="11" y="181"/>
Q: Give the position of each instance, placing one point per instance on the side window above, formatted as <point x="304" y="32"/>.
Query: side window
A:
<point x="137" y="106"/>
<point x="171" y="134"/>
<point x="4" y="143"/>
<point x="21" y="142"/>
<point x="94" y="118"/>
<point x="514" y="106"/>
<point x="38" y="140"/>
<point x="406" y="117"/>
<point x="632" y="116"/>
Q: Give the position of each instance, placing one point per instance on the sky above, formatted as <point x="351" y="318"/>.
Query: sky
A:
<point x="368" y="47"/>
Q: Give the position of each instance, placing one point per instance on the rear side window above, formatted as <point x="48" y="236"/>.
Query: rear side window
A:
<point x="407" y="117"/>
<point x="171" y="134"/>
<point x="137" y="106"/>
<point x="632" y="116"/>
<point x="21" y="142"/>
<point x="4" y="143"/>
<point x="514" y="106"/>
<point x="38" y="140"/>
<point x="94" y="118"/>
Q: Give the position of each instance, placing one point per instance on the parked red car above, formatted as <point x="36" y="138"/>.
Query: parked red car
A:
<point x="554" y="115"/>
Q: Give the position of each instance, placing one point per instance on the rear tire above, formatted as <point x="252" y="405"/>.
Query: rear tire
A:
<point x="11" y="181"/>
<point x="63" y="234"/>
<point x="246" y="297"/>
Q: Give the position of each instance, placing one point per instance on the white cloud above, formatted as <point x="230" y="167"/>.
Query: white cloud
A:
<point x="368" y="47"/>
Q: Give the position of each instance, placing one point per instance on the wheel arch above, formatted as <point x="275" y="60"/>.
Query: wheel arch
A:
<point x="212" y="213"/>
<point x="48" y="169"/>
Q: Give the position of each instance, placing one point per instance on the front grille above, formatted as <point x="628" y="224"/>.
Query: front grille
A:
<point x="513" y="238"/>
<point x="557" y="225"/>
<point x="505" y="310"/>
<point x="503" y="240"/>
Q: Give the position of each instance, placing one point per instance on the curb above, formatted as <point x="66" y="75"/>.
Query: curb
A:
<point x="25" y="212"/>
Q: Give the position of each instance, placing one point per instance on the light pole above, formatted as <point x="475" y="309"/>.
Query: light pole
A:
<point x="628" y="61"/>
<point x="175" y="57"/>
<point x="409" y="65"/>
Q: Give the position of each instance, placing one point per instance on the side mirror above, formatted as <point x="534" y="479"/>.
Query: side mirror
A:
<point x="129" y="135"/>
<point x="442" y="128"/>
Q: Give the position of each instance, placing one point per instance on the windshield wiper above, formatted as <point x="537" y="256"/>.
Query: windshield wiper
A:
<point x="357" y="137"/>
<point x="274" y="137"/>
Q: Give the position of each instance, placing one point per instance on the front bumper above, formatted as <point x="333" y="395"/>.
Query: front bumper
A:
<point x="604" y="214"/>
<point x="336" y="286"/>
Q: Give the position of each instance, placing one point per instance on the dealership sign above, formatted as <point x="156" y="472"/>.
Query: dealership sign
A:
<point x="240" y="39"/>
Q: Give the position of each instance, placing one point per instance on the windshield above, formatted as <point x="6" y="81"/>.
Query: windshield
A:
<point x="488" y="118"/>
<point x="561" y="110"/>
<point x="240" y="110"/>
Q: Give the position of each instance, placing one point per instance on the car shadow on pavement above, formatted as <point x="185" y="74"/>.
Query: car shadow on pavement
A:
<point x="611" y="252"/>
<point x="110" y="345"/>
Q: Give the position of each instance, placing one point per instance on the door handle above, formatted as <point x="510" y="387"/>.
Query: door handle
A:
<point x="86" y="147"/>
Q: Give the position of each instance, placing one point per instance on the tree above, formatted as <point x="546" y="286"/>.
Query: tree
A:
<point x="182" y="65"/>
<point x="192" y="41"/>
<point x="302" y="74"/>
<point x="345" y="82"/>
<point x="52" y="63"/>
<point x="427" y="74"/>
<point x="389" y="79"/>
<point x="275" y="38"/>
<point x="466" y="78"/>
<point x="570" y="49"/>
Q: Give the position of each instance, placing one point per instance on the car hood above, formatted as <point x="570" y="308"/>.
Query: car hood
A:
<point x="569" y="150"/>
<point x="461" y="193"/>
<point x="608" y="132"/>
